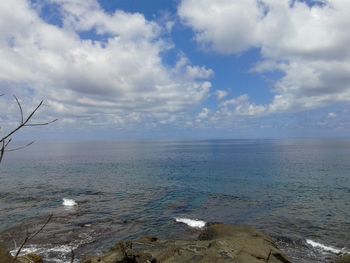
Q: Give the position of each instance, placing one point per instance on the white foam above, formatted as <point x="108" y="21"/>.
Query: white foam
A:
<point x="191" y="222"/>
<point x="55" y="253"/>
<point x="327" y="248"/>
<point x="69" y="202"/>
<point x="64" y="249"/>
<point x="59" y="253"/>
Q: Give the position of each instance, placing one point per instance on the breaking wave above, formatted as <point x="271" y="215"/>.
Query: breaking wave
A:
<point x="191" y="222"/>
<point x="68" y="202"/>
<point x="327" y="248"/>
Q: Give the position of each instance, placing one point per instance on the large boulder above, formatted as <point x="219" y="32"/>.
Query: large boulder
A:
<point x="217" y="243"/>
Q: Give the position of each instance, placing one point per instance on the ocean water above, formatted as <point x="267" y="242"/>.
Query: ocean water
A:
<point x="297" y="191"/>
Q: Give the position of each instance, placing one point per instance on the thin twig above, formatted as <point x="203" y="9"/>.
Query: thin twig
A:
<point x="20" y="108"/>
<point x="24" y="123"/>
<point x="37" y="232"/>
<point x="8" y="142"/>
<point x="72" y="256"/>
<point x="20" y="148"/>
<point x="41" y="124"/>
<point x="2" y="150"/>
<point x="29" y="237"/>
<point x="20" y="248"/>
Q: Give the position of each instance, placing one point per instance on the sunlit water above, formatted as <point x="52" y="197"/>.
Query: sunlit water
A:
<point x="294" y="190"/>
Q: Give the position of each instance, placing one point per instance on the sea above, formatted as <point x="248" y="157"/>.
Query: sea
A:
<point x="295" y="190"/>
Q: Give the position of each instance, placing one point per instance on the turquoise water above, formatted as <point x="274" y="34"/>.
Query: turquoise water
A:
<point x="294" y="190"/>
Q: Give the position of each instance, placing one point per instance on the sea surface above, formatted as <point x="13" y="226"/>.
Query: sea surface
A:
<point x="297" y="191"/>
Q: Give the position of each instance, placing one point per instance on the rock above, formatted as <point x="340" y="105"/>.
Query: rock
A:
<point x="122" y="252"/>
<point x="5" y="256"/>
<point x="344" y="259"/>
<point x="217" y="243"/>
<point x="30" y="258"/>
<point x="148" y="239"/>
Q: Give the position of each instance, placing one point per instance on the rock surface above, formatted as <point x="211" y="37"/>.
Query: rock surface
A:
<point x="5" y="257"/>
<point x="217" y="243"/>
<point x="344" y="259"/>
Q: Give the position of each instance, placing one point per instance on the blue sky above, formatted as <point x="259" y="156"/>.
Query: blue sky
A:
<point x="185" y="69"/>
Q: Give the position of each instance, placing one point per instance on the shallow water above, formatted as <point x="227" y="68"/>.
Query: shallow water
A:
<point x="294" y="190"/>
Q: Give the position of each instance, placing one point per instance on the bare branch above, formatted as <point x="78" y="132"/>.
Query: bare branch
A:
<point x="20" y="107"/>
<point x="20" y="148"/>
<point x="2" y="150"/>
<point x="37" y="232"/>
<point x="20" y="248"/>
<point x="72" y="256"/>
<point x="34" y="111"/>
<point x="41" y="124"/>
<point x="4" y="142"/>
<point x="3" y="147"/>
<point x="29" y="237"/>
<point x="8" y="142"/>
<point x="23" y="123"/>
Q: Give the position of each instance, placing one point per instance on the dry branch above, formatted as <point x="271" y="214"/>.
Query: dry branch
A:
<point x="5" y="141"/>
<point x="29" y="237"/>
<point x="72" y="256"/>
<point x="24" y="122"/>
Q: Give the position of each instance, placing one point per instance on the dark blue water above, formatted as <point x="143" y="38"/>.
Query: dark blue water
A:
<point x="294" y="190"/>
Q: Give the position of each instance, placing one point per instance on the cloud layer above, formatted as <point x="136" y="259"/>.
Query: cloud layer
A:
<point x="307" y="43"/>
<point x="107" y="68"/>
<point x="96" y="66"/>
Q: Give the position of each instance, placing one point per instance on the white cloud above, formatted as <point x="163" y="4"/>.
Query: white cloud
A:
<point x="87" y="15"/>
<point x="195" y="72"/>
<point x="203" y="114"/>
<point x="241" y="106"/>
<point x="308" y="44"/>
<point x="225" y="26"/>
<point x="184" y="67"/>
<point x="116" y="75"/>
<point x="221" y="94"/>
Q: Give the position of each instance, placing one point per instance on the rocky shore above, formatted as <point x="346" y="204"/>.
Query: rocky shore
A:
<point x="216" y="243"/>
<point x="5" y="257"/>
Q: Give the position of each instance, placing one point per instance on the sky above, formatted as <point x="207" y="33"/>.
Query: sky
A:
<point x="176" y="69"/>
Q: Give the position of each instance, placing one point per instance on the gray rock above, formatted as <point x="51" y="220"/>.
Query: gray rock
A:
<point x="217" y="243"/>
